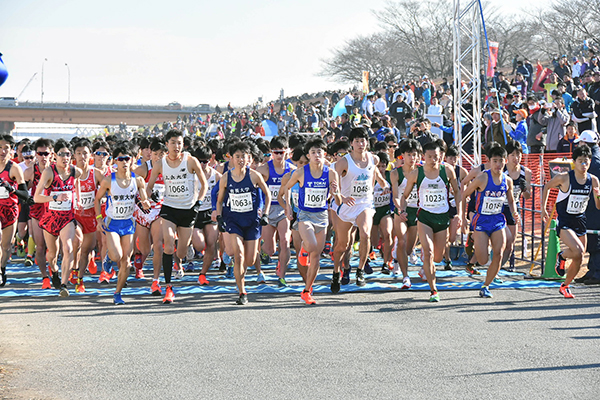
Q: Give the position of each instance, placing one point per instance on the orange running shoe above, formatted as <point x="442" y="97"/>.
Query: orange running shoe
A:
<point x="303" y="257"/>
<point x="139" y="274"/>
<point x="307" y="298"/>
<point x="169" y="296"/>
<point x="372" y="255"/>
<point x="111" y="275"/>
<point x="202" y="280"/>
<point x="74" y="276"/>
<point x="156" y="289"/>
<point x="104" y="278"/>
<point x="92" y="267"/>
<point x="79" y="287"/>
<point x="46" y="283"/>
<point x="566" y="291"/>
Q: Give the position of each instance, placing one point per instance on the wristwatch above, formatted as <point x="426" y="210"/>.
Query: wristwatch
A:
<point x="55" y="197"/>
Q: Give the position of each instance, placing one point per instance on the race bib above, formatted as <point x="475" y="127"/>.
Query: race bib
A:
<point x="177" y="189"/>
<point x="123" y="209"/>
<point x="577" y="204"/>
<point x="315" y="197"/>
<point x="413" y="198"/>
<point x="434" y="198"/>
<point x="66" y="205"/>
<point x="3" y="193"/>
<point x="87" y="200"/>
<point x="399" y="109"/>
<point x="380" y="199"/>
<point x="274" y="189"/>
<point x="492" y="205"/>
<point x="240" y="202"/>
<point x="360" y="189"/>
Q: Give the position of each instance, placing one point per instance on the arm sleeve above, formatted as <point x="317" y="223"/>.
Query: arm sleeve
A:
<point x="22" y="193"/>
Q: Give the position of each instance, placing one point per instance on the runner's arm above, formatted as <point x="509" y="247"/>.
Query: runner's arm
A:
<point x="221" y="195"/>
<point x="156" y="170"/>
<point x="201" y="177"/>
<point x="596" y="190"/>
<point x="558" y="182"/>
<point x="45" y="181"/>
<point x="258" y="180"/>
<point x="333" y="179"/>
<point x="512" y="204"/>
<point x="104" y="187"/>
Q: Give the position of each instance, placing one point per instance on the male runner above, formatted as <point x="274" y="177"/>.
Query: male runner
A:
<point x="574" y="192"/>
<point x="180" y="204"/>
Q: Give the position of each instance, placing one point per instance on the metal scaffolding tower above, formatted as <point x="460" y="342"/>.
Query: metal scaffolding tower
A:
<point x="467" y="36"/>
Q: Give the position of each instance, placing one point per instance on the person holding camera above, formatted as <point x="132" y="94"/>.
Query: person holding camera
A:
<point x="536" y="136"/>
<point x="555" y="117"/>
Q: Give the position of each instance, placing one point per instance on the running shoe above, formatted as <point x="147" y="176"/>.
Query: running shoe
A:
<point x="216" y="262"/>
<point x="189" y="267"/>
<point x="307" y="298"/>
<point x="179" y="272"/>
<point x="303" y="257"/>
<point x="434" y="297"/>
<point x="335" y="283"/>
<point x="222" y="267"/>
<point x="448" y="265"/>
<point x="2" y="280"/>
<point x="29" y="261"/>
<point x="229" y="273"/>
<point x="56" y="280"/>
<point x="566" y="291"/>
<point x="278" y="268"/>
<point x="227" y="260"/>
<point x="74" y="276"/>
<point x="406" y="284"/>
<point x="169" y="296"/>
<point x="64" y="292"/>
<point x="396" y="271"/>
<point x="281" y="282"/>
<point x="414" y="258"/>
<point x="190" y="253"/>
<point x="139" y="273"/>
<point x="137" y="261"/>
<point x="560" y="264"/>
<point x="360" y="277"/>
<point x="79" y="287"/>
<point x="92" y="267"/>
<point x="386" y="269"/>
<point x="327" y="248"/>
<point x="107" y="264"/>
<point x="485" y="292"/>
<point x="202" y="281"/>
<point x="117" y="299"/>
<point x="264" y="258"/>
<point x="346" y="276"/>
<point x="372" y="255"/>
<point x="46" y="283"/>
<point x="103" y="278"/>
<point x="422" y="274"/>
<point x="21" y="249"/>
<point x="111" y="275"/>
<point x="261" y="278"/>
<point x="242" y="300"/>
<point x="471" y="270"/>
<point x="156" y="289"/>
<point x="498" y="280"/>
<point x="367" y="268"/>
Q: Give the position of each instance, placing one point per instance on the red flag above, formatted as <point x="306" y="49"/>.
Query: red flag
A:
<point x="493" y="60"/>
<point x="540" y="78"/>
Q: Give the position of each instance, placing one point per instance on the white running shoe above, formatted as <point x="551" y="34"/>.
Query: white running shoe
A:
<point x="406" y="284"/>
<point x="422" y="274"/>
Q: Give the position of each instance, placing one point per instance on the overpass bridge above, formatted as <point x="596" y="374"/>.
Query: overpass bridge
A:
<point x="101" y="114"/>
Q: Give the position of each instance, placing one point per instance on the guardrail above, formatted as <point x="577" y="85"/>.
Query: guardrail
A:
<point x="204" y="108"/>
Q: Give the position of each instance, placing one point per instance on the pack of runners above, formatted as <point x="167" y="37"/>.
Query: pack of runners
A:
<point x="238" y="202"/>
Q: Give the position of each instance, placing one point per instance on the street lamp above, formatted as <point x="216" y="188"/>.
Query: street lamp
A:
<point x="69" y="74"/>
<point x="45" y="59"/>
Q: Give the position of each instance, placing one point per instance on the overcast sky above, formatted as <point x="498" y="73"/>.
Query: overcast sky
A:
<point x="190" y="51"/>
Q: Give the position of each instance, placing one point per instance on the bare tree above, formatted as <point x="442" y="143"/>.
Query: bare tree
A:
<point x="377" y="53"/>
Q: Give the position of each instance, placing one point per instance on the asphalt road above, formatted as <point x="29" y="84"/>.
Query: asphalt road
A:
<point x="521" y="344"/>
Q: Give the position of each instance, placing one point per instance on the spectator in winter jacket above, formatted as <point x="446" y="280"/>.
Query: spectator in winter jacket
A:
<point x="536" y="136"/>
<point x="556" y="118"/>
<point x="567" y="143"/>
<point x="520" y="132"/>
<point x="583" y="111"/>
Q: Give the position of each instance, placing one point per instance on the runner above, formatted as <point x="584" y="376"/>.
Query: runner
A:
<point x="102" y="159"/>
<point x="461" y="173"/>
<point x="43" y="155"/>
<point x="315" y="181"/>
<point x="521" y="177"/>
<point x="383" y="222"/>
<point x="12" y="188"/>
<point x="180" y="203"/>
<point x="358" y="171"/>
<point x="85" y="215"/>
<point x="493" y="187"/>
<point x="575" y="188"/>
<point x="121" y="190"/>
<point x="59" y="182"/>
<point x="238" y="187"/>
<point x="272" y="172"/>
<point x="405" y="224"/>
<point x="148" y="228"/>
<point x="433" y="181"/>
<point x="206" y="234"/>
<point x="23" y="231"/>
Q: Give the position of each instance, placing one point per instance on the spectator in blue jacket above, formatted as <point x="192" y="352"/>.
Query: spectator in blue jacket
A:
<point x="520" y="132"/>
